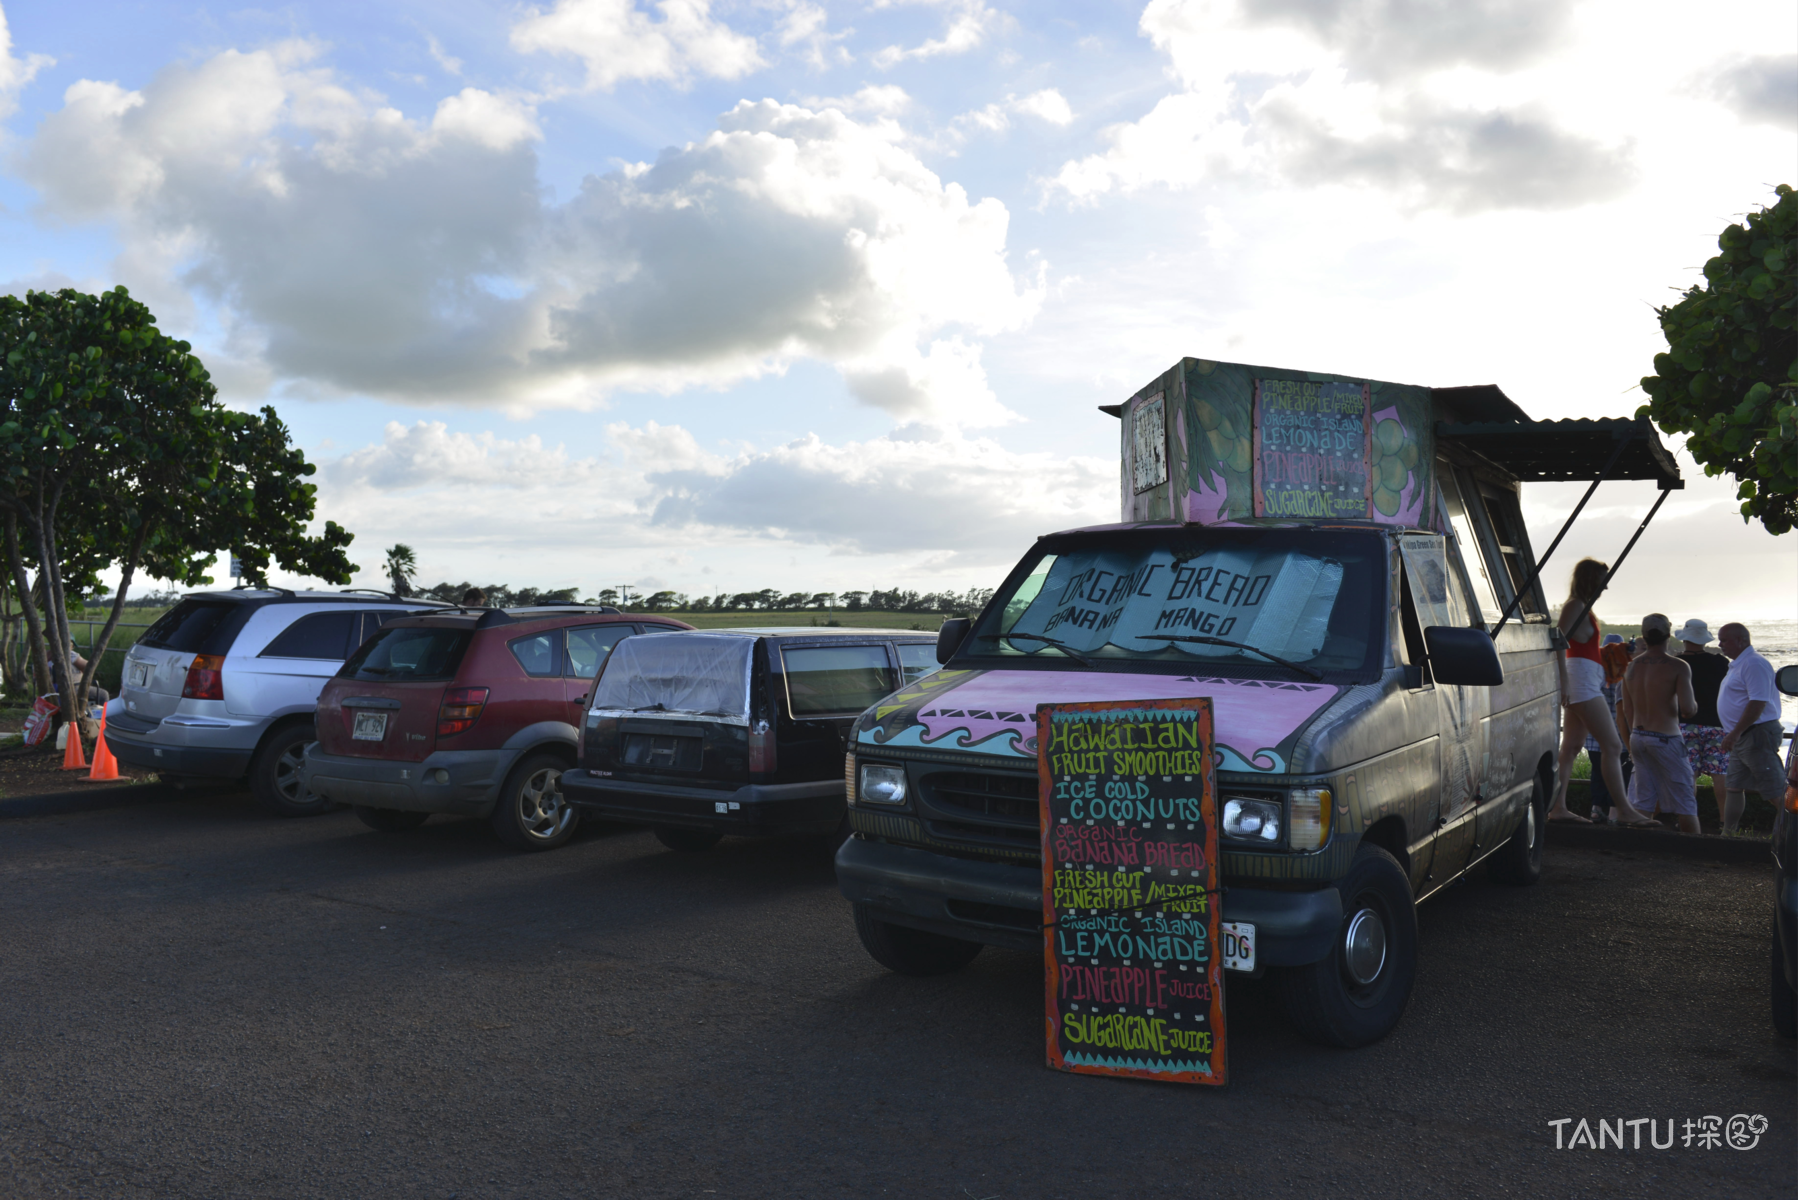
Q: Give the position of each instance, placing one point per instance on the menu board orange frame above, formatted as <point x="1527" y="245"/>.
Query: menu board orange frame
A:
<point x="1132" y="965"/>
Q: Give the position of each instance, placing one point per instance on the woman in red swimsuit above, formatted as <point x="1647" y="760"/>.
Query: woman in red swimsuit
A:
<point x="1582" y="697"/>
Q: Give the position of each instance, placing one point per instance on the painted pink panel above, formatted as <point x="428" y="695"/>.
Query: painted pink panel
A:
<point x="1253" y="716"/>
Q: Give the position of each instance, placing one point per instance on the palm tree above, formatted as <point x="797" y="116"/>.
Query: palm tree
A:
<point x="402" y="565"/>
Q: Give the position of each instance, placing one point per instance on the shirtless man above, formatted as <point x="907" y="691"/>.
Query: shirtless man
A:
<point x="1657" y="693"/>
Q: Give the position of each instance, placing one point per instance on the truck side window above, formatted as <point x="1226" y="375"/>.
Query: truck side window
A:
<point x="1471" y="565"/>
<point x="1413" y="646"/>
<point x="1513" y="543"/>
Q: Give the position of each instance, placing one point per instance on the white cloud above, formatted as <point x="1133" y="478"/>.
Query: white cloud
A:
<point x="918" y="501"/>
<point x="1047" y="105"/>
<point x="943" y="495"/>
<point x="969" y="22"/>
<point x="803" y="26"/>
<point x="1428" y="99"/>
<point x="1759" y="88"/>
<point x="351" y="249"/>
<point x="15" y="73"/>
<point x="617" y="41"/>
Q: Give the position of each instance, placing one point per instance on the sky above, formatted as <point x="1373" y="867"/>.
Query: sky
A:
<point x="774" y="293"/>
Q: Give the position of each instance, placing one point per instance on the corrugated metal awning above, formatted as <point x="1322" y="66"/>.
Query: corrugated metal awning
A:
<point x="1569" y="450"/>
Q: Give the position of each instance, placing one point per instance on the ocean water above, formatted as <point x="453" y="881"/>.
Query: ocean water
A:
<point x="1778" y="643"/>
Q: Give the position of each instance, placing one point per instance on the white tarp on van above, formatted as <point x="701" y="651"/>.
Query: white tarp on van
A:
<point x="678" y="673"/>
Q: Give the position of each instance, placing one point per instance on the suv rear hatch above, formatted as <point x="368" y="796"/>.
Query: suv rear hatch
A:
<point x="673" y="708"/>
<point x="155" y="669"/>
<point x="389" y="699"/>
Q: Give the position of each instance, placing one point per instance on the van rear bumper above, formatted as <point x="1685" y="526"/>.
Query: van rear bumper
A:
<point x="754" y="810"/>
<point x="1001" y="904"/>
<point x="199" y="761"/>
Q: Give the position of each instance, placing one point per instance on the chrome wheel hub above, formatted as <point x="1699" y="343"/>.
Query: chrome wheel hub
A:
<point x="542" y="813"/>
<point x="1364" y="947"/>
<point x="287" y="775"/>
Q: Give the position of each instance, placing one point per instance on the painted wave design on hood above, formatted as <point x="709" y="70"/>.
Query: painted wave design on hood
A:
<point x="994" y="712"/>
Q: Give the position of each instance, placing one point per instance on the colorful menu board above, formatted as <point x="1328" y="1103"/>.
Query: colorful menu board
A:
<point x="1133" y="970"/>
<point x="1312" y="445"/>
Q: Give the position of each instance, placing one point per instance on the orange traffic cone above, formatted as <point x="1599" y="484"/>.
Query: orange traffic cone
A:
<point x="72" y="757"/>
<point x="106" y="767"/>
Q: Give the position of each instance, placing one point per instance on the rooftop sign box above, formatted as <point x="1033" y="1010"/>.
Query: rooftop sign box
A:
<point x="1213" y="442"/>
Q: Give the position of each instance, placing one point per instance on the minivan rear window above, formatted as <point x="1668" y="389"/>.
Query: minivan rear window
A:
<point x="408" y="652"/>
<point x="835" y="679"/>
<point x="185" y="627"/>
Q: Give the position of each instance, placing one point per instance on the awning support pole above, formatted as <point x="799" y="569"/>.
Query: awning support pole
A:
<point x="1552" y="546"/>
<point x="1659" y="500"/>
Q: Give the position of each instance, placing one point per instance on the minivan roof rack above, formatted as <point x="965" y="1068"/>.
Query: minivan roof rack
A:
<point x="394" y="596"/>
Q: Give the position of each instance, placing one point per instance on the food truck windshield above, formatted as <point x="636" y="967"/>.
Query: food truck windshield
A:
<point x="1256" y="603"/>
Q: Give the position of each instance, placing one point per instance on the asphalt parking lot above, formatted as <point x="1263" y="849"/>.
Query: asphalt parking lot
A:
<point x="199" y="1001"/>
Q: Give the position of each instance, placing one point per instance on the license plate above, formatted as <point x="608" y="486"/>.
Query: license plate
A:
<point x="1239" y="946"/>
<point x="369" y="727"/>
<point x="140" y="675"/>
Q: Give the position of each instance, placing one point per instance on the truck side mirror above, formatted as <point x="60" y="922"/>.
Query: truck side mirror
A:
<point x="1464" y="657"/>
<point x="950" y="637"/>
<point x="1786" y="680"/>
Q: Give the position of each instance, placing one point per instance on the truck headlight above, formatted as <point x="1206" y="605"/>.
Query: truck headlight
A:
<point x="1308" y="814"/>
<point x="1251" y="820"/>
<point x="882" y="784"/>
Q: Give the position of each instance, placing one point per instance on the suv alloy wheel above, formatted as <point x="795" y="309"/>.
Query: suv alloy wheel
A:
<point x="531" y="813"/>
<point x="275" y="774"/>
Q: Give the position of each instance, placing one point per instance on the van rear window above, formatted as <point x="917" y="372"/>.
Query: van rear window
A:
<point x="185" y="627"/>
<point x="409" y="652"/>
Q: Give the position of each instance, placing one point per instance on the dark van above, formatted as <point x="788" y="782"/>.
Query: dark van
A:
<point x="734" y="731"/>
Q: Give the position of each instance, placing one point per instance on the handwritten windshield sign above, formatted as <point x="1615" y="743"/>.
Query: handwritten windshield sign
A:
<point x="1132" y="969"/>
<point x="1311" y="449"/>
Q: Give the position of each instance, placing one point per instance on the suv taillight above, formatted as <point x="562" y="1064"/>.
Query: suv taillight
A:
<point x="205" y="678"/>
<point x="461" y="709"/>
<point x="762" y="758"/>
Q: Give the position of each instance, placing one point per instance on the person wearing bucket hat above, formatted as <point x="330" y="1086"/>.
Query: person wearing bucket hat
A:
<point x="1704" y="732"/>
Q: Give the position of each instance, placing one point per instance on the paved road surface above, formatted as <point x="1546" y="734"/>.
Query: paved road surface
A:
<point x="197" y="1001"/>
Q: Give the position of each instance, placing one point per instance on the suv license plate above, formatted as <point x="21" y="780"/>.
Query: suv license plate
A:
<point x="1239" y="946"/>
<point x="140" y="674"/>
<point x="370" y="727"/>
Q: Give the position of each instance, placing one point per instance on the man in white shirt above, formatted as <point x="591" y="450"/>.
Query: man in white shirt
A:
<point x="1748" y="706"/>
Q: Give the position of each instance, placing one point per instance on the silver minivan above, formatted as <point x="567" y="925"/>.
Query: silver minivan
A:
<point x="224" y="685"/>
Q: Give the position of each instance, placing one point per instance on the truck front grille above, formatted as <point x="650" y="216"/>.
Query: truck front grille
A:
<point x="982" y="808"/>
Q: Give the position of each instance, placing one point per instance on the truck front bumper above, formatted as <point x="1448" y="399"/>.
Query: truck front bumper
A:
<point x="1001" y="904"/>
<point x="459" y="782"/>
<point x="754" y="810"/>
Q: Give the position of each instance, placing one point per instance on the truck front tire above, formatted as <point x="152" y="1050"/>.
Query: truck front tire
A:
<point x="1358" y="992"/>
<point x="911" y="951"/>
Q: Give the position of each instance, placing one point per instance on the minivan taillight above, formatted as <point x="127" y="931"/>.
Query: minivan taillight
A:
<point x="205" y="678"/>
<point x="461" y="709"/>
<point x="762" y="758"/>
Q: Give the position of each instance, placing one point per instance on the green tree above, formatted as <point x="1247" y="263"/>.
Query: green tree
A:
<point x="401" y="565"/>
<point x="115" y="450"/>
<point x="1729" y="375"/>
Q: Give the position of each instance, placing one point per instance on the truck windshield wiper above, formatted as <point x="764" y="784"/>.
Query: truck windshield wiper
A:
<point x="1047" y="641"/>
<point x="1212" y="641"/>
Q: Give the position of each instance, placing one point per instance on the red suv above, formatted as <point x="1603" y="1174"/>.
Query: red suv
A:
<point x="472" y="712"/>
